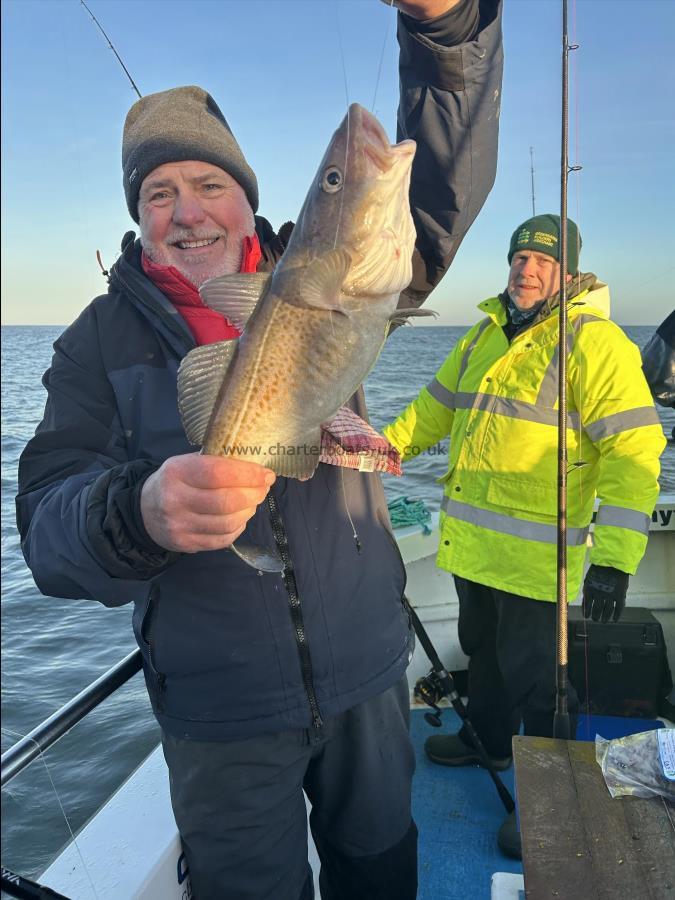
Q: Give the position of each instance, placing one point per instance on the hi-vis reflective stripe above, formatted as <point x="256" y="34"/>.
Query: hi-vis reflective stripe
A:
<point x="506" y="524"/>
<point x="442" y="394"/>
<point x="623" y="518"/>
<point x="622" y="421"/>
<point x="577" y="321"/>
<point x="501" y="406"/>
<point x="467" y="353"/>
<point x="548" y="390"/>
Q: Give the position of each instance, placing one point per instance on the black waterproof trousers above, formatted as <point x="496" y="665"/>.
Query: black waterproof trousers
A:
<point x="242" y="817"/>
<point x="511" y="644"/>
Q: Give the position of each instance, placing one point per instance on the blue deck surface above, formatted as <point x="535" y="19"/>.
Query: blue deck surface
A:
<point x="458" y="812"/>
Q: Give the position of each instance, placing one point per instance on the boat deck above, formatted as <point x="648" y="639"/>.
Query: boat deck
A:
<point x="458" y="813"/>
<point x="577" y="841"/>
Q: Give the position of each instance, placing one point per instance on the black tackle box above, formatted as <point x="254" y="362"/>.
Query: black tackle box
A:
<point x="619" y="668"/>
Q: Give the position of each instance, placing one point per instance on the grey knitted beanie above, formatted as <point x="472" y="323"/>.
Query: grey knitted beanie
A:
<point x="180" y="124"/>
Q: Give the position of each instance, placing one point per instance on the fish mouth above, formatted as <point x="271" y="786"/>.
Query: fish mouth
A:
<point x="382" y="241"/>
<point x="375" y="142"/>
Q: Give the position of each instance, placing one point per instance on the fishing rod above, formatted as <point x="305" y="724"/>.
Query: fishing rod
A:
<point x="25" y="889"/>
<point x="439" y="683"/>
<point x="532" y="177"/>
<point x="561" y="721"/>
<point x="110" y="44"/>
<point x="133" y="84"/>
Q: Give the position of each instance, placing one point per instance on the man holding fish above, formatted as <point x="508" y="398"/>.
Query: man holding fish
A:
<point x="281" y="666"/>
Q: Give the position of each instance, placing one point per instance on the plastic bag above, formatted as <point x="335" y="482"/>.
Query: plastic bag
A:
<point x="640" y="765"/>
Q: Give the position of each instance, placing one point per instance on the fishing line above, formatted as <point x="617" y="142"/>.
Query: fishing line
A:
<point x="384" y="46"/>
<point x="75" y="145"/>
<point x="344" y="73"/>
<point x="9" y="733"/>
<point x="342" y="52"/>
<point x="72" y="834"/>
<point x="61" y="807"/>
<point x="349" y="515"/>
<point x="561" y="719"/>
<point x="580" y="461"/>
<point x="337" y="230"/>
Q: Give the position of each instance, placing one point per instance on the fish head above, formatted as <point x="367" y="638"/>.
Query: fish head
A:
<point x="359" y="202"/>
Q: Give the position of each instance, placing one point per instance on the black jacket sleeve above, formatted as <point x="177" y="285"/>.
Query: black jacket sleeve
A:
<point x="81" y="531"/>
<point x="449" y="104"/>
<point x="658" y="362"/>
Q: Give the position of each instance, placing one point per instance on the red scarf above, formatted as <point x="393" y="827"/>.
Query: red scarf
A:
<point x="207" y="325"/>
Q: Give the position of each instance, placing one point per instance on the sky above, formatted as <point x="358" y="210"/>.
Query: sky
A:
<point x="284" y="72"/>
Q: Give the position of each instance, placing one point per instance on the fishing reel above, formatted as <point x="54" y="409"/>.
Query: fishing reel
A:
<point x="429" y="688"/>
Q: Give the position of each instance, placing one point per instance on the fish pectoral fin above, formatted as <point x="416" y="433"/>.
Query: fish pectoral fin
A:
<point x="402" y="316"/>
<point x="318" y="284"/>
<point x="297" y="460"/>
<point x="200" y="376"/>
<point x="235" y="296"/>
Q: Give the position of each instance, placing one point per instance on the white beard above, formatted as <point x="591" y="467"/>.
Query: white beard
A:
<point x="228" y="264"/>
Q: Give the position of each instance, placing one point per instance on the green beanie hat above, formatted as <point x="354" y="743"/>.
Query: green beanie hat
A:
<point x="542" y="233"/>
<point x="176" y="125"/>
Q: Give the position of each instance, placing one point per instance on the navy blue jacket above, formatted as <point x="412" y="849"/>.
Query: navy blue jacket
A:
<point x="658" y="362"/>
<point x="229" y="653"/>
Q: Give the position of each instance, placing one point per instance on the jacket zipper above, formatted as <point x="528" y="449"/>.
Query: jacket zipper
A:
<point x="288" y="577"/>
<point x="148" y="628"/>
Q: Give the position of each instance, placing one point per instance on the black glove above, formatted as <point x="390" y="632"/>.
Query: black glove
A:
<point x="604" y="593"/>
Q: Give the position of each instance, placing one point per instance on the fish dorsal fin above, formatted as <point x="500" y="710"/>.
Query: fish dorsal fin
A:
<point x="200" y="375"/>
<point x="235" y="296"/>
<point x="318" y="284"/>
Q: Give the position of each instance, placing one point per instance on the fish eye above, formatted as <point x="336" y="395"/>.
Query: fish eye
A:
<point x="331" y="180"/>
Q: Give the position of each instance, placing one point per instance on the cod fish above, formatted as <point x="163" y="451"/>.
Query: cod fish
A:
<point x="313" y="329"/>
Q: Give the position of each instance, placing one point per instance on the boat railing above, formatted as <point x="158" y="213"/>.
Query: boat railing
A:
<point x="17" y="757"/>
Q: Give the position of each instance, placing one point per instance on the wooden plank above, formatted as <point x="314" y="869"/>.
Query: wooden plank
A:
<point x="550" y="821"/>
<point x="578" y="842"/>
<point x="625" y="861"/>
<point x="646" y="823"/>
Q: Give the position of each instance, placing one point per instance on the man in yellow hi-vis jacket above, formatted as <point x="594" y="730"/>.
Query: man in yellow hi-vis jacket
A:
<point x="496" y="397"/>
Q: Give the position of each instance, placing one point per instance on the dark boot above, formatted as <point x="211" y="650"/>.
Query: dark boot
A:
<point x="450" y="750"/>
<point x="508" y="837"/>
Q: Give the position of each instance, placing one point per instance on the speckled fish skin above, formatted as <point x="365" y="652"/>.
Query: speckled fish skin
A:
<point x="321" y="322"/>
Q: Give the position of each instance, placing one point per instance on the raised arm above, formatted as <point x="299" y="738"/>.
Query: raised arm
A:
<point x="450" y="80"/>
